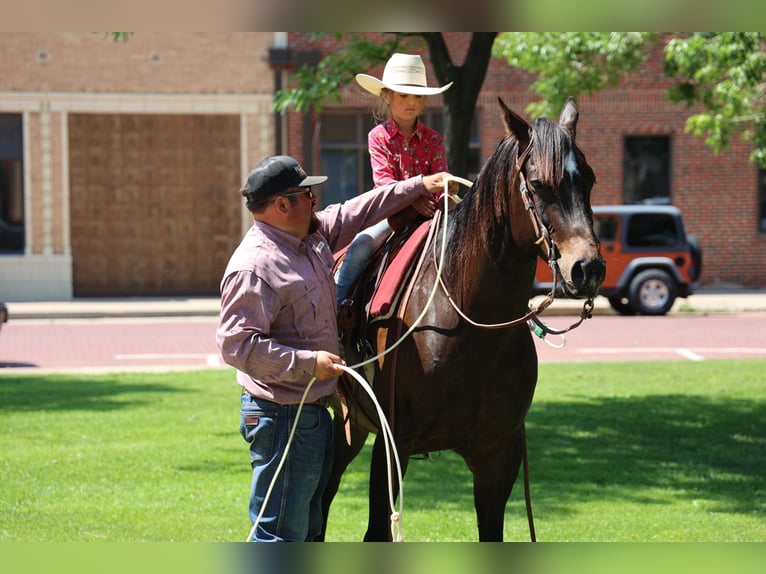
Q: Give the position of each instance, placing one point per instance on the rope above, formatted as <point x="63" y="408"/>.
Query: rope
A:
<point x="390" y="446"/>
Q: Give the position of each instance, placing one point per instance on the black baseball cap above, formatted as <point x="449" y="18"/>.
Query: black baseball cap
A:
<point x="276" y="174"/>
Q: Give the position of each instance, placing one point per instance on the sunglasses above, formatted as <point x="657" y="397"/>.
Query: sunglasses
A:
<point x="306" y="190"/>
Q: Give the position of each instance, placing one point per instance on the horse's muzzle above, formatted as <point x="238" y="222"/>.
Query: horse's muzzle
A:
<point x="587" y="276"/>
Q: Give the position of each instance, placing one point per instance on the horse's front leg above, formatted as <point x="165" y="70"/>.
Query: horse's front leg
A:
<point x="379" y="521"/>
<point x="493" y="480"/>
<point x="344" y="454"/>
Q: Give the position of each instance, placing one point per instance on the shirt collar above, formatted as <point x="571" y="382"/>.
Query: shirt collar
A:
<point x="393" y="130"/>
<point x="278" y="236"/>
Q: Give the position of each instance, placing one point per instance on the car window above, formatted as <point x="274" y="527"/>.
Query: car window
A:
<point x="652" y="230"/>
<point x="605" y="227"/>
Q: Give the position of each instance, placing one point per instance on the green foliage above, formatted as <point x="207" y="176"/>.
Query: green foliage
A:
<point x="725" y="73"/>
<point x="572" y="63"/>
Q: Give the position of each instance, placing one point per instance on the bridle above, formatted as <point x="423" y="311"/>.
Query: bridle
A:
<point x="542" y="236"/>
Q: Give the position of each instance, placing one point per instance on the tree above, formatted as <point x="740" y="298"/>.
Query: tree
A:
<point x="571" y="63"/>
<point x="310" y="87"/>
<point x="725" y="73"/>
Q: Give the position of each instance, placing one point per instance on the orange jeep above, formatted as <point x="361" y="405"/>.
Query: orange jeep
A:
<point x="649" y="258"/>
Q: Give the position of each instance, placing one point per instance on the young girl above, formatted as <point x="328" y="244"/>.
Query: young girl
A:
<point x="400" y="147"/>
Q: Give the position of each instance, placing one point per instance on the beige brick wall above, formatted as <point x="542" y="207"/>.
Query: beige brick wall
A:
<point x="164" y="62"/>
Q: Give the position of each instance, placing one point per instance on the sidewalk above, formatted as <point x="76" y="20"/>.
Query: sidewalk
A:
<point x="101" y="308"/>
<point x="703" y="302"/>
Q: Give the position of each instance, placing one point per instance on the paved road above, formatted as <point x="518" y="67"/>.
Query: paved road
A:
<point x="691" y="337"/>
<point x="188" y="343"/>
<point x="109" y="344"/>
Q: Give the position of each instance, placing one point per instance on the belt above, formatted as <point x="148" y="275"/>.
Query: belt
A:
<point x="324" y="401"/>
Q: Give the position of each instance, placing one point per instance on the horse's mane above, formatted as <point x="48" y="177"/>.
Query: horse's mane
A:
<point x="482" y="220"/>
<point x="552" y="146"/>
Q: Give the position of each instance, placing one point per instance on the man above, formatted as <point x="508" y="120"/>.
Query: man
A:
<point x="278" y="329"/>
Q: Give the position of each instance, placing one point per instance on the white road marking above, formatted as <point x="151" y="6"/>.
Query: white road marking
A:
<point x="692" y="354"/>
<point x="688" y="354"/>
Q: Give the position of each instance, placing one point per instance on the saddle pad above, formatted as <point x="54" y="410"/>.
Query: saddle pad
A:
<point x="388" y="288"/>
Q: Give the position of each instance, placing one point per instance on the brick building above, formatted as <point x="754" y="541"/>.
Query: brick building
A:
<point x="120" y="163"/>
<point x="633" y="136"/>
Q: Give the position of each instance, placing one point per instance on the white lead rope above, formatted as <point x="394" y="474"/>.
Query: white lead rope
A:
<point x="396" y="533"/>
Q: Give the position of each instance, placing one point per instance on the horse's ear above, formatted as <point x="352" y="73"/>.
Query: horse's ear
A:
<point x="569" y="115"/>
<point x="515" y="124"/>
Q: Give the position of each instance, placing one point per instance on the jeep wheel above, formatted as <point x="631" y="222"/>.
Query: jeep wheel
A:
<point x="621" y="305"/>
<point x="652" y="292"/>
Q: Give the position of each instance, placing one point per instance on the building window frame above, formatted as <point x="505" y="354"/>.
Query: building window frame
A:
<point x="12" y="213"/>
<point x="647" y="168"/>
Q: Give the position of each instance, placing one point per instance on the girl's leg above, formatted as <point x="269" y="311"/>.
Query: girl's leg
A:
<point x="357" y="256"/>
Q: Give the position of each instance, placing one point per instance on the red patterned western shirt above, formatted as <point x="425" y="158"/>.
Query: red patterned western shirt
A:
<point x="396" y="158"/>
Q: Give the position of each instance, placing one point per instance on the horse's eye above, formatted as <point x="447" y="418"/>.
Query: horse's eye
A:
<point x="537" y="184"/>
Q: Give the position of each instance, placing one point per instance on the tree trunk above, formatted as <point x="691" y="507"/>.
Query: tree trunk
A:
<point x="460" y="99"/>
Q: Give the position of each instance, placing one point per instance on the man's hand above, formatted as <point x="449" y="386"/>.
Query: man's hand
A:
<point x="434" y="183"/>
<point x="327" y="366"/>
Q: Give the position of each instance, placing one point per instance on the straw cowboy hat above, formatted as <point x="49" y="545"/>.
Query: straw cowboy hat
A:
<point x="404" y="73"/>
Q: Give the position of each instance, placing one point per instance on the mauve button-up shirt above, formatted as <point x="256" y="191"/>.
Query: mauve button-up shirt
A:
<point x="278" y="296"/>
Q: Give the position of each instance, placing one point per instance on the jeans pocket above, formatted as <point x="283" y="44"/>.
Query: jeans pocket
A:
<point x="310" y="419"/>
<point x="258" y="429"/>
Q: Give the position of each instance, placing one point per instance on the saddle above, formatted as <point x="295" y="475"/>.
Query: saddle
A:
<point x="374" y="297"/>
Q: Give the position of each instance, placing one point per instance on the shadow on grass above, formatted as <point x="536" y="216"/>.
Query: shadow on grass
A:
<point x="619" y="447"/>
<point x="70" y="393"/>
<point x="648" y="449"/>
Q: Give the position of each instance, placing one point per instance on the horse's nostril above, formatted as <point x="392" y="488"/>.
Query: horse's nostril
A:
<point x="588" y="274"/>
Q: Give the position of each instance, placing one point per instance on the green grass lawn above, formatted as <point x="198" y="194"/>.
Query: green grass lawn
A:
<point x="639" y="451"/>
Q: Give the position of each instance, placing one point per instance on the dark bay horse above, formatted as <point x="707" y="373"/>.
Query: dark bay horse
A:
<point x="462" y="387"/>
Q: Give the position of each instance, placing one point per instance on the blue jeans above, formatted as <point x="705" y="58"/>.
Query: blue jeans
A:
<point x="357" y="255"/>
<point x="293" y="511"/>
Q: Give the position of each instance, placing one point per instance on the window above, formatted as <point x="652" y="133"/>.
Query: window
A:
<point x="344" y="156"/>
<point x="652" y="230"/>
<point x="11" y="184"/>
<point x="762" y="200"/>
<point x="646" y="170"/>
<point x="606" y="228"/>
<point x="346" y="161"/>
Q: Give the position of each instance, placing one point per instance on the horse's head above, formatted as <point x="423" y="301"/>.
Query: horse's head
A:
<point x="555" y="182"/>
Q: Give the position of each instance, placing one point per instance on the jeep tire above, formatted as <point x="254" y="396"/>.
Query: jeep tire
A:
<point x="652" y="292"/>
